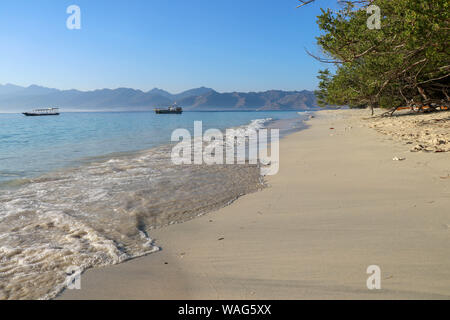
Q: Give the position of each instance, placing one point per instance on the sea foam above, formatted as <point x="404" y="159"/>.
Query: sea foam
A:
<point x="102" y="213"/>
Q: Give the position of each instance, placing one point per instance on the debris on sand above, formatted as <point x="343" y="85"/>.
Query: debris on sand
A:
<point x="427" y="132"/>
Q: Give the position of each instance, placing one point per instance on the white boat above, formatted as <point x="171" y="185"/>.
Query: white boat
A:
<point x="43" y="112"/>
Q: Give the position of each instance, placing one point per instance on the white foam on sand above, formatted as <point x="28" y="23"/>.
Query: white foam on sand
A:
<point x="100" y="214"/>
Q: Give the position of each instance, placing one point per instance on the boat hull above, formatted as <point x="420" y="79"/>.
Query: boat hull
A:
<point x="30" y="114"/>
<point x="168" y="112"/>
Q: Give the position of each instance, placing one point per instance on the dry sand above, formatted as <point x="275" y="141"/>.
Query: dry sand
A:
<point x="424" y="132"/>
<point x="339" y="204"/>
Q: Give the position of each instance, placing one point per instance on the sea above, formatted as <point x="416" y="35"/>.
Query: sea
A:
<point x="84" y="190"/>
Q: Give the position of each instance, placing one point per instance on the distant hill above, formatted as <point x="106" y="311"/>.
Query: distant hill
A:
<point x="17" y="99"/>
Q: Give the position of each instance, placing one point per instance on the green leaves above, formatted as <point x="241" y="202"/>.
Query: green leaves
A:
<point x="388" y="67"/>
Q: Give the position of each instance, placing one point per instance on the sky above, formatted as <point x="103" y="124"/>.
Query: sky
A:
<point x="228" y="45"/>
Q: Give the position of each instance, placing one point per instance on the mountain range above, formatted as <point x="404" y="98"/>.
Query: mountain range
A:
<point x="17" y="99"/>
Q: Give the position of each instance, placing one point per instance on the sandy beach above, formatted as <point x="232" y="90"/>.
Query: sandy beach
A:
<point x="338" y="204"/>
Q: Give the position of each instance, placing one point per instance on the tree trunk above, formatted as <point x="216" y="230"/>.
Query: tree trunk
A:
<point x="371" y="108"/>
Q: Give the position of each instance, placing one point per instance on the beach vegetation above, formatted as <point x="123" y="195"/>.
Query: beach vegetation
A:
<point x="403" y="63"/>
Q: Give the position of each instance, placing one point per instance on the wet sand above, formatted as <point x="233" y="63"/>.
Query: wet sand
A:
<point x="338" y="204"/>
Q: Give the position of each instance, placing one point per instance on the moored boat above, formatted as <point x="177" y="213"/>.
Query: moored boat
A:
<point x="42" y="112"/>
<point x="173" y="109"/>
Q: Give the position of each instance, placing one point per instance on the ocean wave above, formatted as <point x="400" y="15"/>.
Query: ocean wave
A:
<point x="102" y="213"/>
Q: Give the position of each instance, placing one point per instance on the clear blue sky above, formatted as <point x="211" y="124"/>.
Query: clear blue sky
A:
<point x="229" y="45"/>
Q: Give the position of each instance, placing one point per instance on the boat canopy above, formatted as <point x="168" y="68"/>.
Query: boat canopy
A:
<point x="47" y="110"/>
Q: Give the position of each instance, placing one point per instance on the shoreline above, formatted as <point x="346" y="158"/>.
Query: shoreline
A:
<point x="100" y="212"/>
<point x="127" y="154"/>
<point x="339" y="204"/>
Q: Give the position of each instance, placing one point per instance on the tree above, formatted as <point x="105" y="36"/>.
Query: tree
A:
<point x="405" y="62"/>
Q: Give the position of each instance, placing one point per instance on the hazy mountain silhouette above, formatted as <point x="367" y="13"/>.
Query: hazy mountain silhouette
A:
<point x="17" y="99"/>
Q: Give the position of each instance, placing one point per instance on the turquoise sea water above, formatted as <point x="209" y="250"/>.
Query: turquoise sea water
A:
<point x="83" y="190"/>
<point x="31" y="146"/>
